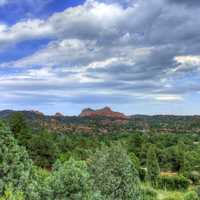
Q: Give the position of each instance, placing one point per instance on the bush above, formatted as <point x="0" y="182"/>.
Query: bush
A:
<point x="70" y="180"/>
<point x="149" y="193"/>
<point x="10" y="194"/>
<point x="153" y="169"/>
<point x="15" y="165"/>
<point x="142" y="174"/>
<point x="173" y="182"/>
<point x="198" y="191"/>
<point x="191" y="196"/>
<point x="135" y="161"/>
<point x="114" y="174"/>
<point x="194" y="176"/>
<point x="170" y="198"/>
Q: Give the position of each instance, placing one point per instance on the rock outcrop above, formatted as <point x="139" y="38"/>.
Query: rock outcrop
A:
<point x="104" y="112"/>
<point x="36" y="112"/>
<point x="58" y="114"/>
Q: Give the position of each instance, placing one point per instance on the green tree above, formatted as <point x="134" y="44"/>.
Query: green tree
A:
<point x="135" y="161"/>
<point x="180" y="153"/>
<point x="114" y="174"/>
<point x="153" y="169"/>
<point x="43" y="149"/>
<point x="192" y="195"/>
<point x="15" y="166"/>
<point x="71" y="180"/>
<point x="10" y="194"/>
<point x="17" y="123"/>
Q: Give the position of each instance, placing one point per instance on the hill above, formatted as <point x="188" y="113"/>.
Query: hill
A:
<point x="105" y="121"/>
<point x="104" y="112"/>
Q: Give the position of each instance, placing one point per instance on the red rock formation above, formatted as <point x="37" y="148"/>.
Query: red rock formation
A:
<point x="59" y="115"/>
<point x="106" y="112"/>
<point x="37" y="112"/>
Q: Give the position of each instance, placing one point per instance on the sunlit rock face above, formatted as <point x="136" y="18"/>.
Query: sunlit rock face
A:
<point x="107" y="112"/>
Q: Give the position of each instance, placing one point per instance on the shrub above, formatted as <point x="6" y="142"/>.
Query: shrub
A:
<point x="10" y="194"/>
<point x="70" y="180"/>
<point x="173" y="182"/>
<point x="114" y="174"/>
<point x="153" y="169"/>
<point x="142" y="174"/>
<point x="149" y="193"/>
<point x="191" y="196"/>
<point x="134" y="159"/>
<point x="194" y="176"/>
<point x="198" y="191"/>
<point x="15" y="165"/>
<point x="170" y="198"/>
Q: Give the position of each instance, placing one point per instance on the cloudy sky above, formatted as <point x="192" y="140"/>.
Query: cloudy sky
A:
<point x="136" y="56"/>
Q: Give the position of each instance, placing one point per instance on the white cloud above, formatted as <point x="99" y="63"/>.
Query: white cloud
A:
<point x="187" y="63"/>
<point x="65" y="53"/>
<point x="193" y="60"/>
<point x="106" y="48"/>
<point x="25" y="30"/>
<point x="168" y="98"/>
<point x="82" y="21"/>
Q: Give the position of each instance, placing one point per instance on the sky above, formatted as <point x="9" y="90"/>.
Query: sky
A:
<point x="136" y="56"/>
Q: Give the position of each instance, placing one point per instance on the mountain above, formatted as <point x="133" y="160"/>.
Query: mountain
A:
<point x="58" y="114"/>
<point x="104" y="112"/>
<point x="105" y="121"/>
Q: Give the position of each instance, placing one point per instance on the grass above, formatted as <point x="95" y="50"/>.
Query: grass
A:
<point x="168" y="195"/>
<point x="162" y="194"/>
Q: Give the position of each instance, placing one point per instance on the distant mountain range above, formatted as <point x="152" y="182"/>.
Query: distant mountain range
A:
<point x="107" y="121"/>
<point x="88" y="112"/>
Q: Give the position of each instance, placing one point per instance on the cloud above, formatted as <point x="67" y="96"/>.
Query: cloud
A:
<point x="186" y="2"/>
<point x="104" y="51"/>
<point x="25" y="30"/>
<point x="168" y="98"/>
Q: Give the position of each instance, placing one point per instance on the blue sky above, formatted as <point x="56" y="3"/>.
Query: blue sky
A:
<point x="136" y="56"/>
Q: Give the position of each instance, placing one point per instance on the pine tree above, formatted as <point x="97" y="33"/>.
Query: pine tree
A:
<point x="71" y="180"/>
<point x="15" y="165"/>
<point x="114" y="174"/>
<point x="153" y="169"/>
<point x="17" y="123"/>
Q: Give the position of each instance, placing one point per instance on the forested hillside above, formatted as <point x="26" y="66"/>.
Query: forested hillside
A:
<point x="38" y="163"/>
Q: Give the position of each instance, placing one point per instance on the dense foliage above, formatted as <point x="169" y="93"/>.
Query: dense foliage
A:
<point x="37" y="164"/>
<point x="15" y="165"/>
<point x="114" y="174"/>
<point x="152" y="166"/>
<point x="173" y="182"/>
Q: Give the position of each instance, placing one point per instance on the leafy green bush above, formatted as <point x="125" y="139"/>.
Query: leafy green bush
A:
<point x="198" y="191"/>
<point x="70" y="180"/>
<point x="134" y="159"/>
<point x="171" y="198"/>
<point x="10" y="194"/>
<point x="153" y="169"/>
<point x="194" y="176"/>
<point x="142" y="174"/>
<point x="149" y="193"/>
<point x="114" y="174"/>
<point x="173" y="182"/>
<point x="15" y="165"/>
<point x="191" y="196"/>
